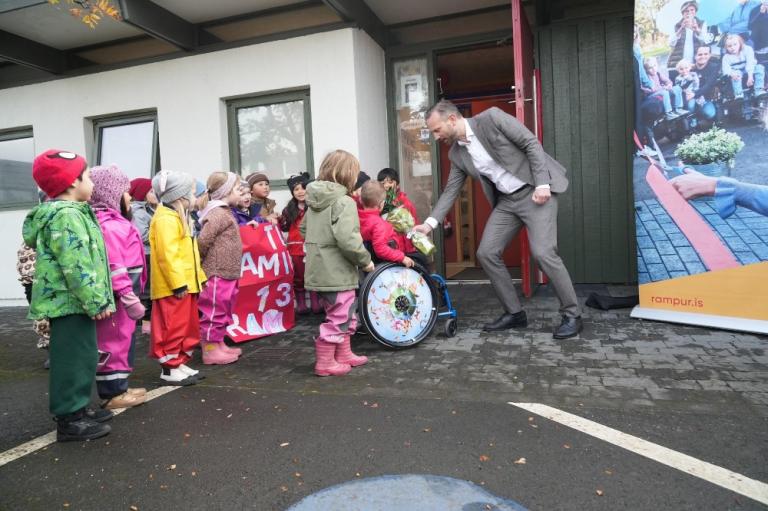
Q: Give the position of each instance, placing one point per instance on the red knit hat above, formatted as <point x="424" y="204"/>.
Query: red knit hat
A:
<point x="140" y="187"/>
<point x="54" y="171"/>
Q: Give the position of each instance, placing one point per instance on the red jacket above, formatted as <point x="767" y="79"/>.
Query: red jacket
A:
<point x="387" y="244"/>
<point x="295" y="241"/>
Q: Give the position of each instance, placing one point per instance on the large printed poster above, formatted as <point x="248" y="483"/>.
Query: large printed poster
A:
<point x="264" y="303"/>
<point x="701" y="163"/>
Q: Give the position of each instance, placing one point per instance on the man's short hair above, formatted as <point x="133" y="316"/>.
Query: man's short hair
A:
<point x="372" y="194"/>
<point x="443" y="108"/>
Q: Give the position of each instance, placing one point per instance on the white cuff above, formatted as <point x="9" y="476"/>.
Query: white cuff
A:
<point x="541" y="187"/>
<point x="432" y="222"/>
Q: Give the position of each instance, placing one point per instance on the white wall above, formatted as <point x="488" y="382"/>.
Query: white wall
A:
<point x="344" y="70"/>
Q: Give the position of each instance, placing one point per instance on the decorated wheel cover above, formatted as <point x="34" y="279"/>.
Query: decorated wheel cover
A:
<point x="398" y="305"/>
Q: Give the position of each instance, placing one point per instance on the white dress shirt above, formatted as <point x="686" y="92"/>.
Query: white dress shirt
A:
<point x="504" y="181"/>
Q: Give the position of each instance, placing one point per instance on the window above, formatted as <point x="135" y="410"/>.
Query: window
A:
<point x="17" y="151"/>
<point x="271" y="134"/>
<point x="130" y="142"/>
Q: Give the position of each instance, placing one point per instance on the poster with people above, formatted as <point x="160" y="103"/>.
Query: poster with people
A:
<point x="700" y="170"/>
<point x="264" y="304"/>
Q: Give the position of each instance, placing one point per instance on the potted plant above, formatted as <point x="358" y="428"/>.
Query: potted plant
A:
<point x="712" y="152"/>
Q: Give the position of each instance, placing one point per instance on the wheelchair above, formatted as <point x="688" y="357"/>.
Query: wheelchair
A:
<point x="400" y="306"/>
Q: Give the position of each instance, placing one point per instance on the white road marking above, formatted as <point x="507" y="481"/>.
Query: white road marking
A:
<point x="49" y="438"/>
<point x="729" y="480"/>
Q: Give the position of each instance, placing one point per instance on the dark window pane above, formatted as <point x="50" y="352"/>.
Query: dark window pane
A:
<point x="18" y="187"/>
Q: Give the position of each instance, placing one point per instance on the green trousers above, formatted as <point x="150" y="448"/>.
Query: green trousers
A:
<point x="73" y="356"/>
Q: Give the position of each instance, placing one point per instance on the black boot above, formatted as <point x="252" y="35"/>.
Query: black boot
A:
<point x="569" y="327"/>
<point x="77" y="427"/>
<point x="98" y="414"/>
<point x="506" y="321"/>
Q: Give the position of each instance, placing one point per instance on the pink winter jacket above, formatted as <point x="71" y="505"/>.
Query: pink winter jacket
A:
<point x="124" y="249"/>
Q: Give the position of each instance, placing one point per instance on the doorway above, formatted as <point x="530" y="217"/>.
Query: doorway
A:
<point x="474" y="78"/>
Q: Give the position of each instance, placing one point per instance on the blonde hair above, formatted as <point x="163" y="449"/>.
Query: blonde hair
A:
<point x="215" y="181"/>
<point x="184" y="214"/>
<point x="340" y="167"/>
<point x="738" y="38"/>
<point x="372" y="194"/>
<point x="650" y="61"/>
<point x="683" y="64"/>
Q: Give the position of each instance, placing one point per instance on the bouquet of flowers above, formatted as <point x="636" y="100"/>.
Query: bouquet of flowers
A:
<point x="402" y="220"/>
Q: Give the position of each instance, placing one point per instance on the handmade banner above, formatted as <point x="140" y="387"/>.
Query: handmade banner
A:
<point x="701" y="166"/>
<point x="264" y="303"/>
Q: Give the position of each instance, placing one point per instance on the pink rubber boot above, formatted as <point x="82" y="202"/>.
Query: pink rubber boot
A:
<point x="230" y="349"/>
<point x="214" y="354"/>
<point x="301" y="302"/>
<point x="344" y="354"/>
<point x="315" y="300"/>
<point x="326" y="364"/>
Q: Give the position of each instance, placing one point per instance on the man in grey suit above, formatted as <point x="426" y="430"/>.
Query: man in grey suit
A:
<point x="521" y="183"/>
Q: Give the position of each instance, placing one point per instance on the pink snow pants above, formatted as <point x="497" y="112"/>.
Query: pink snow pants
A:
<point x="216" y="303"/>
<point x="340" y="315"/>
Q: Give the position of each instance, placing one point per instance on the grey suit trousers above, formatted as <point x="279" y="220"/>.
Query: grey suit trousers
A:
<point x="512" y="211"/>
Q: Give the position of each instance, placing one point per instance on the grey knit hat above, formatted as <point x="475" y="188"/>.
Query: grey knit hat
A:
<point x="170" y="186"/>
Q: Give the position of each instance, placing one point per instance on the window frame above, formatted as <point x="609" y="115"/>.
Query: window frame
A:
<point x="15" y="134"/>
<point x="112" y="121"/>
<point x="264" y="99"/>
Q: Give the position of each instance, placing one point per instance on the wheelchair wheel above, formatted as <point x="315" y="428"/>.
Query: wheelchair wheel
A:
<point x="398" y="305"/>
<point x="451" y="327"/>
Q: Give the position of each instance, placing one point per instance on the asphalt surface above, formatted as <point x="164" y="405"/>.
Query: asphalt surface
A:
<point x="265" y="433"/>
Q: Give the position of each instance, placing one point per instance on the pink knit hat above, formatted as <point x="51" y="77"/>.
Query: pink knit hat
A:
<point x="109" y="185"/>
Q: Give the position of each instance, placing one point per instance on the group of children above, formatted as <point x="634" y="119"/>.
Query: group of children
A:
<point x="95" y="247"/>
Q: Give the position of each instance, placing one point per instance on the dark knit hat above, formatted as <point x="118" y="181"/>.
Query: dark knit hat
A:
<point x="301" y="179"/>
<point x="388" y="173"/>
<point x="256" y="177"/>
<point x="140" y="187"/>
<point x="55" y="170"/>
<point x="690" y="3"/>
<point x="361" y="179"/>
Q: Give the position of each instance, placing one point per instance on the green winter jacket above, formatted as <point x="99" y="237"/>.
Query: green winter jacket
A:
<point x="71" y="272"/>
<point x="331" y="231"/>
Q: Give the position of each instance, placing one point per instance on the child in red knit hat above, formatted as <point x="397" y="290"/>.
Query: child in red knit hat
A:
<point x="71" y="287"/>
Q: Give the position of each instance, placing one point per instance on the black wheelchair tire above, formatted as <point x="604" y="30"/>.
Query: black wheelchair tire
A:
<point x="451" y="327"/>
<point x="365" y="317"/>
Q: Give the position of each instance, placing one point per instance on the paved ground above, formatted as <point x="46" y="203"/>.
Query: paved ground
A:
<point x="439" y="408"/>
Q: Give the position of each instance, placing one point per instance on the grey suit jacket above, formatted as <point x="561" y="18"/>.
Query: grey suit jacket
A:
<point x="513" y="147"/>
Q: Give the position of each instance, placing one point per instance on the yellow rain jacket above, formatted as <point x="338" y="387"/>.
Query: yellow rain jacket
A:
<point x="174" y="257"/>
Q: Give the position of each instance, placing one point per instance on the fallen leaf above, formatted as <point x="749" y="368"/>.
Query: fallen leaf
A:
<point x="484" y="458"/>
<point x="187" y="435"/>
<point x="608" y="472"/>
<point x="530" y="419"/>
<point x="519" y="461"/>
<point x="427" y="430"/>
<point x="534" y="426"/>
<point x="194" y="474"/>
<point x="134" y="508"/>
<point x="599" y="493"/>
<point x="202" y="400"/>
<point x="66" y="504"/>
<point x="285" y="444"/>
<point x="172" y="467"/>
<point x="375" y="405"/>
<point x="283" y="488"/>
<point x="566" y="446"/>
<point x="229" y="416"/>
<point x="357" y="474"/>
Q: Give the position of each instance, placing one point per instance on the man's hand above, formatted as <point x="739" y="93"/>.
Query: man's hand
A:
<point x="102" y="315"/>
<point x="423" y="229"/>
<point x="693" y="184"/>
<point x="408" y="262"/>
<point x="369" y="267"/>
<point x="541" y="195"/>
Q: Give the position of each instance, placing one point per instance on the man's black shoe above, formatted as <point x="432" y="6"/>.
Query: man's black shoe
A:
<point x="507" y="321"/>
<point x="99" y="414"/>
<point x="78" y="427"/>
<point x="569" y="327"/>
